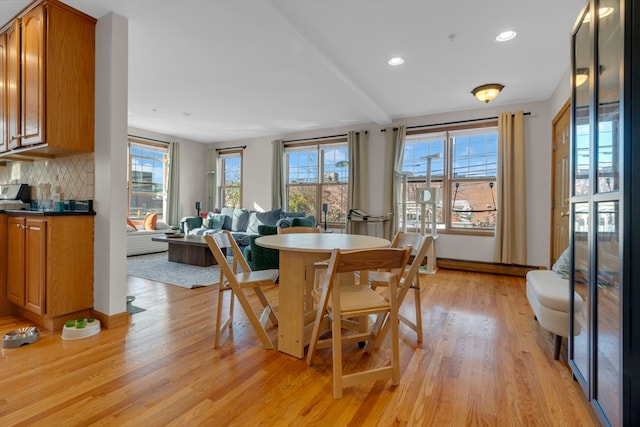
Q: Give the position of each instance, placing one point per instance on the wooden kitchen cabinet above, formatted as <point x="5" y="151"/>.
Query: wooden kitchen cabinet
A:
<point x="27" y="253"/>
<point x="54" y="97"/>
<point x="50" y="267"/>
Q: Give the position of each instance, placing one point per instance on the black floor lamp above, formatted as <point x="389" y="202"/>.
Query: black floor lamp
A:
<point x="198" y="208"/>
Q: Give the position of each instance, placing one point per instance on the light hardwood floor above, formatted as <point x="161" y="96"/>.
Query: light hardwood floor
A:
<point x="484" y="361"/>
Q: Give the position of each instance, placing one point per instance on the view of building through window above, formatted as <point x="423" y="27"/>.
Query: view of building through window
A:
<point x="318" y="175"/>
<point x="463" y="168"/>
<point x="147" y="179"/>
<point x="231" y="182"/>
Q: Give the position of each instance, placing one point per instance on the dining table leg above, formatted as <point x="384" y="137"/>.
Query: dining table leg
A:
<point x="295" y="301"/>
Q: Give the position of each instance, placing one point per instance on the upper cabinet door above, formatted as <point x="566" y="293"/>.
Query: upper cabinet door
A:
<point x="33" y="82"/>
<point x="4" y="134"/>
<point x="13" y="85"/>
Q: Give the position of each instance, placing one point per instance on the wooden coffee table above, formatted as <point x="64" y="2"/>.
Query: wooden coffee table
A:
<point x="188" y="249"/>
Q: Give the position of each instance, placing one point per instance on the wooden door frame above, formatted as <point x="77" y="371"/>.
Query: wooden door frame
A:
<point x="564" y="110"/>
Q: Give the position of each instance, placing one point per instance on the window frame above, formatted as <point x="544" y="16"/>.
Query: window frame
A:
<point x="223" y="155"/>
<point x="322" y="181"/>
<point x="148" y="146"/>
<point x="447" y="180"/>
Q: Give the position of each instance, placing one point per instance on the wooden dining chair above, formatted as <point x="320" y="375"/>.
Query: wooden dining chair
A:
<point x="235" y="278"/>
<point x="299" y="229"/>
<point x="343" y="303"/>
<point x="409" y="280"/>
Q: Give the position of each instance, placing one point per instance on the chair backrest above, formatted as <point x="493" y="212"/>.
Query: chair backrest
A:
<point x="420" y="245"/>
<point x="224" y="240"/>
<point x="300" y="229"/>
<point x="366" y="260"/>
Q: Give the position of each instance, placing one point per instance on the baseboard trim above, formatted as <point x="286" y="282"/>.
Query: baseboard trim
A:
<point x="111" y="321"/>
<point x="486" y="267"/>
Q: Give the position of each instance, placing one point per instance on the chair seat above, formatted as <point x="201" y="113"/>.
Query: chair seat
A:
<point x="359" y="298"/>
<point x="251" y="277"/>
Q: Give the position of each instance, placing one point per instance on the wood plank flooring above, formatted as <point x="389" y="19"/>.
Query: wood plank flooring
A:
<point x="484" y="362"/>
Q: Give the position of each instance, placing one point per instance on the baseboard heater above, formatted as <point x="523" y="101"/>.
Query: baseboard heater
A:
<point x="486" y="267"/>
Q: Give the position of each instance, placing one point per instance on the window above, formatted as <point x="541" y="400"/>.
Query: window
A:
<point x="317" y="175"/>
<point x="147" y="179"/>
<point x="231" y="178"/>
<point x="463" y="166"/>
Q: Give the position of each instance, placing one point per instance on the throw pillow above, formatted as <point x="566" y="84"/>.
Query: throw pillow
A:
<point x="561" y="267"/>
<point x="240" y="219"/>
<point x="257" y="219"/>
<point x="150" y="221"/>
<point x="214" y="221"/>
<point x="130" y="228"/>
<point x="161" y="225"/>
<point x="284" y="222"/>
<point x="131" y="224"/>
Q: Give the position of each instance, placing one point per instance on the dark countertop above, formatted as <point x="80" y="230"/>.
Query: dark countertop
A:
<point x="45" y="213"/>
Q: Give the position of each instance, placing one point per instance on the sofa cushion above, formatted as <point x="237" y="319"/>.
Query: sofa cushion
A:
<point x="240" y="219"/>
<point x="267" y="230"/>
<point x="292" y="214"/>
<point x="307" y="221"/>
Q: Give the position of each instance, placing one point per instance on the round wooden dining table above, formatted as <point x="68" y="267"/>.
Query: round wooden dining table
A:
<point x="298" y="254"/>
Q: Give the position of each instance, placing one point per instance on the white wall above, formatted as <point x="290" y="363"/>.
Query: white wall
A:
<point x="257" y="176"/>
<point x="193" y="168"/>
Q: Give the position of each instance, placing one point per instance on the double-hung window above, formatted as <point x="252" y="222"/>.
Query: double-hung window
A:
<point x="231" y="178"/>
<point x="148" y="166"/>
<point x="316" y="176"/>
<point x="463" y="168"/>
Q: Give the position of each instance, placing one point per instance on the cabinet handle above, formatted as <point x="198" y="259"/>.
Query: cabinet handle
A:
<point x="13" y="138"/>
<point x="563" y="214"/>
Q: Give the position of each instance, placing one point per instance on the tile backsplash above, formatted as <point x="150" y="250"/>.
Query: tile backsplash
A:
<point x="74" y="175"/>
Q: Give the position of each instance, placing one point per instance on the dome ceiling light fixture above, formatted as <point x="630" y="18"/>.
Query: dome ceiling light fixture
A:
<point x="396" y="61"/>
<point x="505" y="36"/>
<point x="487" y="92"/>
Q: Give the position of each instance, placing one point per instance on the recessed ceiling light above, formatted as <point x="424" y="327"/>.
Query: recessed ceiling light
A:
<point x="506" y="36"/>
<point x="395" y="61"/>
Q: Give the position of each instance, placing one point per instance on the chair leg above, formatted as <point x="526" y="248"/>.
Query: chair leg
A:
<point x="418" y="312"/>
<point x="557" y="343"/>
<point x="255" y="322"/>
<point x="220" y="327"/>
<point x="337" y="357"/>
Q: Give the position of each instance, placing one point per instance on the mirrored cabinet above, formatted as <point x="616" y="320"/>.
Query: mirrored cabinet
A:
<point x="604" y="352"/>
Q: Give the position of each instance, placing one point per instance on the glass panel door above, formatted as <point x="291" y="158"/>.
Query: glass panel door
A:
<point x="581" y="286"/>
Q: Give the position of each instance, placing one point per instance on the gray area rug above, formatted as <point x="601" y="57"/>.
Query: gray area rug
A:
<point x="157" y="267"/>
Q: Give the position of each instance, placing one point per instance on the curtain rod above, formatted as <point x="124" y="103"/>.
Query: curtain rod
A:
<point x="231" y="148"/>
<point x="319" y="137"/>
<point x="148" y="139"/>
<point x="455" y="122"/>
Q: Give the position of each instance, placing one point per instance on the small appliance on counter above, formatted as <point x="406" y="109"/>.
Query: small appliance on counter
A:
<point x="14" y="196"/>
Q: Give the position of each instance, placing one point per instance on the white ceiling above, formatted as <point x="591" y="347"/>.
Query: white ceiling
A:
<point x="222" y="70"/>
